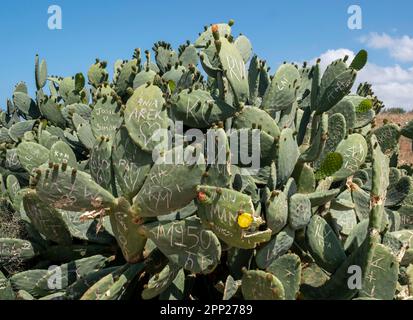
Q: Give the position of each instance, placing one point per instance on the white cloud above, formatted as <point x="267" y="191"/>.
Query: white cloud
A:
<point x="400" y="48"/>
<point x="392" y="84"/>
<point x="332" y="55"/>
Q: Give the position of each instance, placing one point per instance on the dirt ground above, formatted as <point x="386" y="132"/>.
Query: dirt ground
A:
<point x="406" y="153"/>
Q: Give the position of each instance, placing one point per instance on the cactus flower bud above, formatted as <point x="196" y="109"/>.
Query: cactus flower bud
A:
<point x="214" y="28"/>
<point x="202" y="197"/>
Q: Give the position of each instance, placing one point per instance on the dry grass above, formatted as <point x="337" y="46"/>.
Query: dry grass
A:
<point x="11" y="226"/>
<point x="406" y="153"/>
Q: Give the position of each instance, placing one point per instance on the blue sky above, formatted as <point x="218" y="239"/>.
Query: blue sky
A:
<point x="279" y="30"/>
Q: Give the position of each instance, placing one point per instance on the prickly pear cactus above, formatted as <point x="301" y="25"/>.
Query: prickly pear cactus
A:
<point x="202" y="175"/>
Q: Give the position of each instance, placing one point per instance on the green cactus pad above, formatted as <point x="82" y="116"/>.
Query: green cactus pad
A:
<point x="174" y="74"/>
<point x="224" y="29"/>
<point x="18" y="130"/>
<point x="380" y="170"/>
<point x="319" y="198"/>
<point x="79" y="82"/>
<point x="299" y="211"/>
<point x="144" y="115"/>
<point x="316" y="147"/>
<point x="234" y="69"/>
<point x="231" y="288"/>
<point x="219" y="209"/>
<point x="288" y="155"/>
<point x="162" y="193"/>
<point x="21" y="87"/>
<point x="77" y="289"/>
<point x="324" y="245"/>
<point x="210" y="67"/>
<point x="298" y="178"/>
<point x="186" y="243"/>
<point x="396" y="193"/>
<point x="32" y="282"/>
<point x="97" y="73"/>
<point x="258" y="79"/>
<point x="125" y="76"/>
<point x="4" y="136"/>
<point x="188" y="55"/>
<point x="55" y="296"/>
<point x="100" y="163"/>
<point x="282" y="91"/>
<point x="32" y="155"/>
<point x="312" y="277"/>
<point x="345" y="108"/>
<point x="131" y="165"/>
<point x="143" y="77"/>
<point x="40" y="73"/>
<point x="380" y="278"/>
<point x="331" y="164"/>
<point x="388" y="137"/>
<point x="6" y="291"/>
<point x="406" y="217"/>
<point x="178" y="288"/>
<point x="60" y="152"/>
<point x="85" y="135"/>
<point x="354" y="151"/>
<point x="197" y="108"/>
<point x="40" y="283"/>
<point x="12" y="161"/>
<point x="126" y="232"/>
<point x="363" y="105"/>
<point x="253" y="118"/>
<point x="219" y="171"/>
<point x="22" y="250"/>
<point x="51" y="110"/>
<point x="105" y="118"/>
<point x="71" y="190"/>
<point x="101" y="287"/>
<point x="337" y="132"/>
<point x="343" y="216"/>
<point x="276" y="211"/>
<point x="190" y="79"/>
<point x="306" y="80"/>
<point x="67" y="90"/>
<point x="407" y="130"/>
<point x="13" y="187"/>
<point x="82" y="110"/>
<point x="315" y="86"/>
<point x="272" y="178"/>
<point x="164" y="55"/>
<point x="46" y="219"/>
<point x="261" y="285"/>
<point x="86" y="230"/>
<point x="304" y="175"/>
<point x="24" y="295"/>
<point x="287" y="269"/>
<point x="67" y="253"/>
<point x="249" y="143"/>
<point x="359" y="60"/>
<point x="244" y="46"/>
<point x="278" y="245"/>
<point x="118" y="289"/>
<point x="160" y="282"/>
<point x="25" y="104"/>
<point x="361" y="201"/>
<point x="336" y="82"/>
